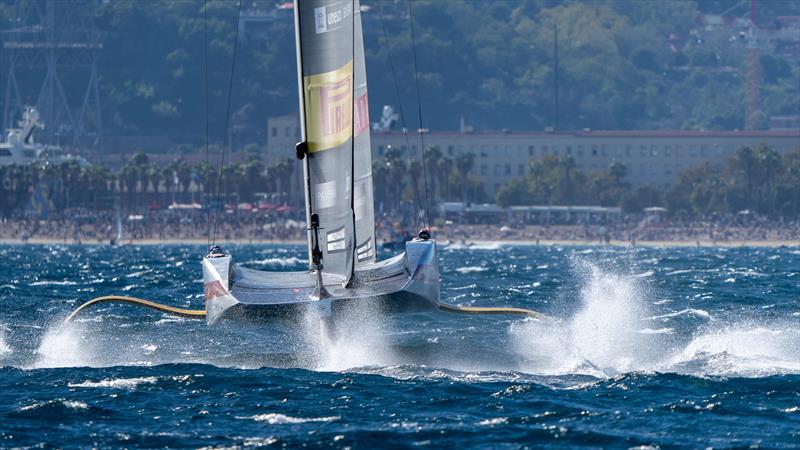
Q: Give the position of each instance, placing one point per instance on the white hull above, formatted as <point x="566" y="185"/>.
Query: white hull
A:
<point x="407" y="282"/>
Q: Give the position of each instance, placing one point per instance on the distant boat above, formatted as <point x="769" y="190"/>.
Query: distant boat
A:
<point x="117" y="239"/>
<point x="337" y="167"/>
<point x="21" y="149"/>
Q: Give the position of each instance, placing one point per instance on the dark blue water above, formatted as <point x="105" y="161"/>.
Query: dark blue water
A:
<point x="677" y="348"/>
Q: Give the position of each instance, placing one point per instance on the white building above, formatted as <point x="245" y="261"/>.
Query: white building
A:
<point x="652" y="157"/>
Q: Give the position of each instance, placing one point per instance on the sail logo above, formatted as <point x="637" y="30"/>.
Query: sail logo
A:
<point x="361" y="113"/>
<point x="331" y="17"/>
<point x="335" y="104"/>
<point x="329" y="108"/>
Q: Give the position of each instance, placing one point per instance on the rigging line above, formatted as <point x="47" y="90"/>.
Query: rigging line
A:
<point x="400" y="105"/>
<point x="206" y="171"/>
<point x="353" y="140"/>
<point x="227" y="118"/>
<point x="419" y="110"/>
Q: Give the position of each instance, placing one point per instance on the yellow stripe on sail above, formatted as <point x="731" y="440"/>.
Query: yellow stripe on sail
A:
<point x="329" y="108"/>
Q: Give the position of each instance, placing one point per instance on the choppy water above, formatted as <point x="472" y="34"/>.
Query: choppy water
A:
<point x="650" y="347"/>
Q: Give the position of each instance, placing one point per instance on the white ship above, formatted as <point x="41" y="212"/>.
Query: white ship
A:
<point x="21" y="149"/>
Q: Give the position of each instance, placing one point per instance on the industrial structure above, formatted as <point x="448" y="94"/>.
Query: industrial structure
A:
<point x="50" y="55"/>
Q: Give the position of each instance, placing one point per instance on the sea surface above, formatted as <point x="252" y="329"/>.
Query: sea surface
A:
<point x="646" y="348"/>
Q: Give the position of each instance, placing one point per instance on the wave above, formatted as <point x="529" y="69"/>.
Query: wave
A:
<point x="281" y="419"/>
<point x="116" y="383"/>
<point x="54" y="283"/>
<point x="742" y="350"/>
<point x="700" y="313"/>
<point x="471" y="269"/>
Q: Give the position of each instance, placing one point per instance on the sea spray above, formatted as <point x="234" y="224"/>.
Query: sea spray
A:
<point x="354" y="337"/>
<point x="5" y="349"/>
<point x="65" y="344"/>
<point x="602" y="337"/>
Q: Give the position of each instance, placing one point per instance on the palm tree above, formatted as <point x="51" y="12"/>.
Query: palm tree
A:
<point x="464" y="163"/>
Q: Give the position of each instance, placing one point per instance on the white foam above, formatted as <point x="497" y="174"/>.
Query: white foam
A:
<point x="471" y="269"/>
<point x="281" y="419"/>
<point x="278" y="262"/>
<point x="75" y="405"/>
<point x="53" y="283"/>
<point x="494" y="421"/>
<point x="115" y="383"/>
<point x="657" y="331"/>
<point x="701" y="313"/>
<point x="745" y="349"/>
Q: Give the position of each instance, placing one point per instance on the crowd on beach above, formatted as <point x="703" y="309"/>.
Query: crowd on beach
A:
<point x="87" y="226"/>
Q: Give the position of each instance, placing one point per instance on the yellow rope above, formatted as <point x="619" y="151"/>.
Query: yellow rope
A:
<point x="489" y="310"/>
<point x="201" y="314"/>
<point x="180" y="312"/>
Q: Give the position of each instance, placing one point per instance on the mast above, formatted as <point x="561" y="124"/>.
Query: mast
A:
<point x="302" y="146"/>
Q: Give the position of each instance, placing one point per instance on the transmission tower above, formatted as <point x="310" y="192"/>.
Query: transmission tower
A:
<point x="753" y="71"/>
<point x="51" y="58"/>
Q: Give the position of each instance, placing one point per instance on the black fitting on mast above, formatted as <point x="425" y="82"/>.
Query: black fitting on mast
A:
<point x="316" y="260"/>
<point x="301" y="148"/>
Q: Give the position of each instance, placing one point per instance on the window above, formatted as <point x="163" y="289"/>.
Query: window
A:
<point x="484" y="169"/>
<point x="580" y="150"/>
<point x="380" y="150"/>
<point x="521" y="169"/>
<point x="508" y="169"/>
<point x="531" y="150"/>
<point x="628" y="151"/>
<point x="498" y="169"/>
<point x="569" y="150"/>
<point x="642" y="150"/>
<point x="450" y="150"/>
<point x="604" y="150"/>
<point x="594" y="150"/>
<point x="5" y="152"/>
<point x="668" y="150"/>
<point x="274" y="132"/>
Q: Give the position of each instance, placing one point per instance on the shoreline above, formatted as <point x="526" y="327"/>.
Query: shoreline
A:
<point x="469" y="243"/>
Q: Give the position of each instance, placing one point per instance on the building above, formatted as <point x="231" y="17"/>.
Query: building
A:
<point x="652" y="157"/>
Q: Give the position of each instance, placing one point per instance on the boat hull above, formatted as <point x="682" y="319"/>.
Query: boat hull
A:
<point x="408" y="282"/>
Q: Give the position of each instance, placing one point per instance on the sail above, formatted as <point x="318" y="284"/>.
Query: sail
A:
<point x="325" y="62"/>
<point x="363" y="204"/>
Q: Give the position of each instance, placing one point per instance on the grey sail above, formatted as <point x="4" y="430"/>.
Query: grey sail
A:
<point x="326" y="49"/>
<point x="335" y="148"/>
<point x="363" y="203"/>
